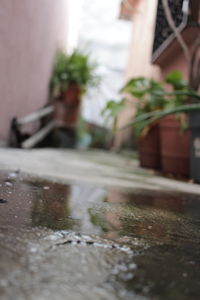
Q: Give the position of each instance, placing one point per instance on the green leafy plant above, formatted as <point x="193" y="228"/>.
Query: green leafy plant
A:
<point x="147" y="95"/>
<point x="174" y="102"/>
<point x="112" y="111"/>
<point x="71" y="69"/>
<point x="153" y="100"/>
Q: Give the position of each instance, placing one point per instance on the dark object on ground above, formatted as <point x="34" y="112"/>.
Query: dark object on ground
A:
<point x="194" y="121"/>
<point x="2" y="201"/>
<point x="64" y="137"/>
<point x="60" y="137"/>
<point x="21" y="139"/>
<point x="16" y="136"/>
<point x="100" y="136"/>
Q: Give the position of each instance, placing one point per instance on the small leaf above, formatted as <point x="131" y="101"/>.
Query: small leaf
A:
<point x="174" y="76"/>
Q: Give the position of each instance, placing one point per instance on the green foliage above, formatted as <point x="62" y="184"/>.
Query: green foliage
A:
<point x="147" y="95"/>
<point x="112" y="111"/>
<point x="140" y="86"/>
<point x="175" y="78"/>
<point x="179" y="86"/>
<point x="113" y="108"/>
<point x="68" y="69"/>
<point x="152" y="99"/>
<point x="173" y="102"/>
<point x="148" y="119"/>
<point x="147" y="92"/>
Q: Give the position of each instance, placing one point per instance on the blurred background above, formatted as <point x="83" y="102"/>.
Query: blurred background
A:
<point x="72" y="72"/>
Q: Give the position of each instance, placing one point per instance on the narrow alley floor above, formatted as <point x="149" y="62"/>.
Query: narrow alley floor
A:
<point x="93" y="225"/>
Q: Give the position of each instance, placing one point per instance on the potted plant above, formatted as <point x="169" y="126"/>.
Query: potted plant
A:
<point x="145" y="95"/>
<point x="71" y="76"/>
<point x="175" y="136"/>
<point x="155" y="130"/>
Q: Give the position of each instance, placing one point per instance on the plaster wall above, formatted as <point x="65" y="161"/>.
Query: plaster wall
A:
<point x="143" y="24"/>
<point x="31" y="31"/>
<point x="177" y="61"/>
<point x="140" y="53"/>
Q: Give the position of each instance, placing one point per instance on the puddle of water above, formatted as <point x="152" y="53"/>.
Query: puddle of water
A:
<point x="163" y="226"/>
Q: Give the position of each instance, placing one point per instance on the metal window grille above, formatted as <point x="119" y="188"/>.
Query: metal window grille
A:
<point x="163" y="33"/>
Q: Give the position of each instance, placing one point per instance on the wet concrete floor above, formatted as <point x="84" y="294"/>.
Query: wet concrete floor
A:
<point x="82" y="241"/>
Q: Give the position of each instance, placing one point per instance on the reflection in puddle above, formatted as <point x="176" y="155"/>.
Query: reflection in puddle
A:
<point x="51" y="207"/>
<point x="113" y="213"/>
<point x="165" y="226"/>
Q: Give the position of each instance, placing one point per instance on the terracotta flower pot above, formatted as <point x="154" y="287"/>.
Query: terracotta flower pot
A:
<point x="149" y="149"/>
<point x="72" y="95"/>
<point x="175" y="147"/>
<point x="67" y="109"/>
